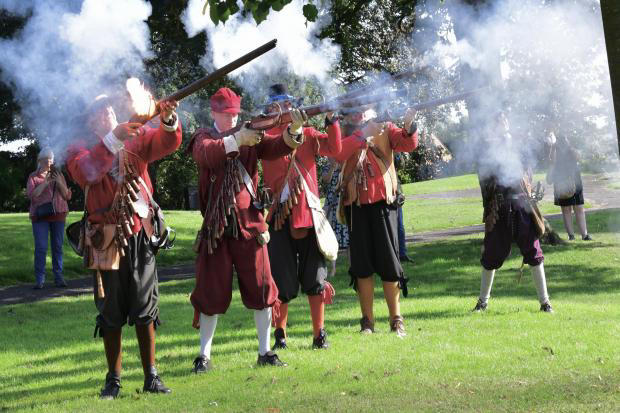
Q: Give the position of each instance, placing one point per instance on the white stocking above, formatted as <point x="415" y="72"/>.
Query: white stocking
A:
<point x="486" y="282"/>
<point x="262" y="318"/>
<point x="538" y="273"/>
<point x="207" y="330"/>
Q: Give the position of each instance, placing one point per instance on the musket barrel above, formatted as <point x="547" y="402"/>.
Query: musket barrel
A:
<point x="447" y="99"/>
<point x="221" y="72"/>
<point x="203" y="81"/>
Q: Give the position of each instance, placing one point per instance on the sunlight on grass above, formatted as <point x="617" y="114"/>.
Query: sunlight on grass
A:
<point x="511" y="358"/>
<point x="421" y="215"/>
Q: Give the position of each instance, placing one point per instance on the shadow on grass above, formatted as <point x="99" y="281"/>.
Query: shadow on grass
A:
<point x="441" y="269"/>
<point x="452" y="268"/>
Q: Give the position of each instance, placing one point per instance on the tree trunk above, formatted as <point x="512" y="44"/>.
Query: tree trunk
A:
<point x="610" y="9"/>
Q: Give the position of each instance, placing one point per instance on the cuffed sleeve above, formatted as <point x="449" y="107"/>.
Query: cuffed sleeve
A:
<point x="400" y="140"/>
<point x="171" y="124"/>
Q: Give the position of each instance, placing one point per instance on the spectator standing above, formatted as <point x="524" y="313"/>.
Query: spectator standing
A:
<point x="48" y="193"/>
<point x="565" y="175"/>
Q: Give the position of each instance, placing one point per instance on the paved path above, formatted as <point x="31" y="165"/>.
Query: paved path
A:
<point x="597" y="192"/>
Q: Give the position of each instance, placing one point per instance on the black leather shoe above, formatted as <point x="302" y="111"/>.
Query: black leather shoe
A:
<point x="153" y="384"/>
<point x="111" y="388"/>
<point x="280" y="337"/>
<point x="587" y="238"/>
<point x="480" y="306"/>
<point x="38" y="286"/>
<point x="320" y="341"/>
<point x="546" y="307"/>
<point x="405" y="258"/>
<point x="270" y="359"/>
<point x="366" y="326"/>
<point x="201" y="365"/>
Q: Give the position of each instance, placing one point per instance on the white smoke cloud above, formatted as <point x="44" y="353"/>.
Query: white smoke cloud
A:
<point x="299" y="51"/>
<point x="547" y="67"/>
<point x="67" y="54"/>
<point x="193" y="19"/>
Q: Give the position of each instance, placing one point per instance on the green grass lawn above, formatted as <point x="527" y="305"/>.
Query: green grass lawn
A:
<point x="453" y="183"/>
<point x="421" y="215"/>
<point x="16" y="255"/>
<point x="510" y="358"/>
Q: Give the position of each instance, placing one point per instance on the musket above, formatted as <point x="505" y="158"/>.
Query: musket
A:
<point x="211" y="77"/>
<point x="386" y="116"/>
<point x="271" y="120"/>
<point x="448" y="99"/>
<point x="377" y="85"/>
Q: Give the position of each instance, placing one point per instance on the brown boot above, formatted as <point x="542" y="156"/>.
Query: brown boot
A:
<point x="398" y="326"/>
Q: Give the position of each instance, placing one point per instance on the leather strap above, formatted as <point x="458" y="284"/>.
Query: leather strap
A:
<point x="276" y="198"/>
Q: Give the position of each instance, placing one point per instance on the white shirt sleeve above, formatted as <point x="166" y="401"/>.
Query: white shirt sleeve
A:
<point x="230" y="144"/>
<point x="112" y="143"/>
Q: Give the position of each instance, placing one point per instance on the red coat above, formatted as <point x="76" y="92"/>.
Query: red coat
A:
<point x="400" y="141"/>
<point x="274" y="171"/>
<point x="210" y="155"/>
<point x="91" y="166"/>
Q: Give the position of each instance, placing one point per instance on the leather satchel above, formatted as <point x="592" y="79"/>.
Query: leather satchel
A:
<point x="76" y="232"/>
<point x="103" y="251"/>
<point x="325" y="237"/>
<point x="537" y="218"/>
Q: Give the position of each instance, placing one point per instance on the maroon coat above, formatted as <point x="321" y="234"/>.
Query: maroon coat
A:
<point x="213" y="291"/>
<point x="210" y="155"/>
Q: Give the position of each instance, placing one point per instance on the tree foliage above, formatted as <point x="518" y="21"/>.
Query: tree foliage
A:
<point x="220" y="10"/>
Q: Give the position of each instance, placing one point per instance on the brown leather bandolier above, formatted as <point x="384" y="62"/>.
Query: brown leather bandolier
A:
<point x="106" y="242"/>
<point x="280" y="211"/>
<point x="494" y="197"/>
<point x="220" y="213"/>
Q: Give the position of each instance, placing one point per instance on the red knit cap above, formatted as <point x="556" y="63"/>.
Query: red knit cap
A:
<point x="226" y="101"/>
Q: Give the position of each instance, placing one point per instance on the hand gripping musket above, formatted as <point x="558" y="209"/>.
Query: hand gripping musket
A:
<point x="211" y="77"/>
